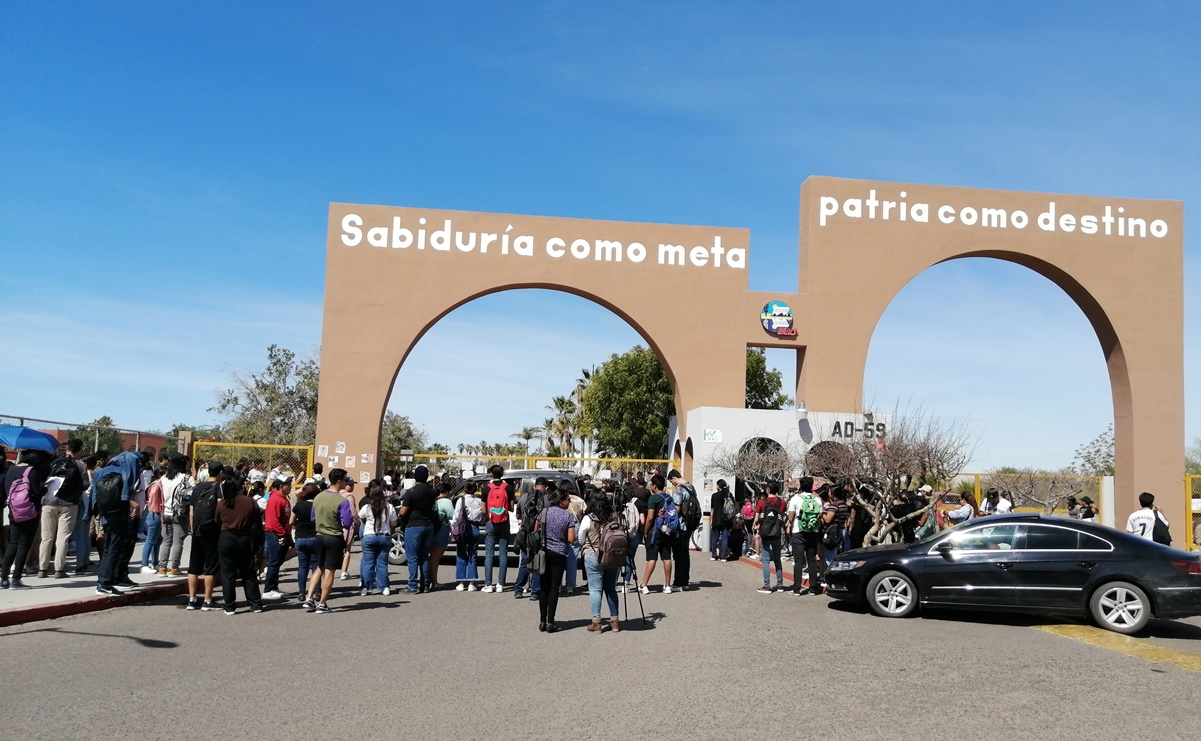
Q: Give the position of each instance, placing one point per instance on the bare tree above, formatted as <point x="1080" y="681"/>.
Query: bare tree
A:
<point x="919" y="448"/>
<point x="758" y="460"/>
<point x="1031" y="487"/>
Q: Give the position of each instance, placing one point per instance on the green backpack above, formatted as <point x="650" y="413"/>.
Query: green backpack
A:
<point x="811" y="512"/>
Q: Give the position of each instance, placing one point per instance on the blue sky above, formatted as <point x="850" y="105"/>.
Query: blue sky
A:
<point x="167" y="171"/>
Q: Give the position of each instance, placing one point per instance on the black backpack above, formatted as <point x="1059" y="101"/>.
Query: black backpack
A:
<point x="67" y="469"/>
<point x="108" y="494"/>
<point x="769" y="523"/>
<point x="1159" y="531"/>
<point x="690" y="508"/>
<point x="204" y="505"/>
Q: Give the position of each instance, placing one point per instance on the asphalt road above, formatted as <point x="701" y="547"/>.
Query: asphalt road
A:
<point x="719" y="662"/>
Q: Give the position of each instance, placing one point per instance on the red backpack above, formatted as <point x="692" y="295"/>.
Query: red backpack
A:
<point x="498" y="502"/>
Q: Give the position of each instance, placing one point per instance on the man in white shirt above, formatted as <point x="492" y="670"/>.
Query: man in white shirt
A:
<point x="1142" y="521"/>
<point x="1004" y="505"/>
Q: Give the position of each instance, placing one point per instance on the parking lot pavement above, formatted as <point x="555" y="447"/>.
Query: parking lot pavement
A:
<point x="721" y="661"/>
<point x="53" y="598"/>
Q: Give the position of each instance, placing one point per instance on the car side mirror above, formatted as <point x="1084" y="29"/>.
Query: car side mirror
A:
<point x="946" y="548"/>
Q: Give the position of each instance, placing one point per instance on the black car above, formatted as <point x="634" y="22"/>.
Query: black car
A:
<point x="1026" y="563"/>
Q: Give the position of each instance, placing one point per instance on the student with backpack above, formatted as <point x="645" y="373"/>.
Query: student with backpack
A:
<point x="113" y="493"/>
<point x="24" y="488"/>
<point x="498" y="495"/>
<point x="684" y="494"/>
<point x="60" y="508"/>
<point x="769" y="518"/>
<point x="444" y="511"/>
<point x="604" y="547"/>
<point x="465" y="528"/>
<point x="804" y="520"/>
<point x="176" y="486"/>
<point x="660" y="532"/>
<point x="529" y="505"/>
<point x="203" y="562"/>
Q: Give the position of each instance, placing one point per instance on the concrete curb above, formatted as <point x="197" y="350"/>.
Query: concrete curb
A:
<point x="35" y="613"/>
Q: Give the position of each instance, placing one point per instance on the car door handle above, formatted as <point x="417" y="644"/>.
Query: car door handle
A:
<point x="1004" y="566"/>
<point x="1087" y="564"/>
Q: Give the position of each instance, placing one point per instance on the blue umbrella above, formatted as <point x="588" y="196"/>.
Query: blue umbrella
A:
<point x="27" y="438"/>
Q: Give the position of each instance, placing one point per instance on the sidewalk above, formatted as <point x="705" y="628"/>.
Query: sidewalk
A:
<point x="52" y="598"/>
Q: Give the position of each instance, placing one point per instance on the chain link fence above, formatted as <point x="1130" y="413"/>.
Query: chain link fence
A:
<point x="296" y="460"/>
<point x="98" y="437"/>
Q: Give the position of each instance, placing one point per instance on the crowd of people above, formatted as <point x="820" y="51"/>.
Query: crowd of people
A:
<point x="242" y="523"/>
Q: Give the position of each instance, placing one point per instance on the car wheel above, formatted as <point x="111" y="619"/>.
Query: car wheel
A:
<point x="1120" y="606"/>
<point x="891" y="594"/>
<point x="396" y="554"/>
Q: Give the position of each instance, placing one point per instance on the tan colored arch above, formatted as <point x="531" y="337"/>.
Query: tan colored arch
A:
<point x="384" y="293"/>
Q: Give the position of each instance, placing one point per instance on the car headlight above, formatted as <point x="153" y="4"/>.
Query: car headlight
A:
<point x="846" y="565"/>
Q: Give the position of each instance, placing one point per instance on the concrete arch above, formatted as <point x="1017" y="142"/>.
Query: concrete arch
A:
<point x="391" y="273"/>
<point x="1129" y="289"/>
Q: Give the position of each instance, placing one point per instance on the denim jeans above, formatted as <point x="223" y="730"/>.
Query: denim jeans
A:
<point x="83" y="537"/>
<point x="417" y="551"/>
<point x="628" y="572"/>
<point x="496" y="535"/>
<point x="116" y="540"/>
<point x="306" y="561"/>
<point x="573" y="566"/>
<point x="719" y="541"/>
<point x="600" y="582"/>
<point x="154" y="536"/>
<point x="466" y="548"/>
<point x="769" y="553"/>
<point x="272" y="545"/>
<point x="171" y="550"/>
<point x="523" y="572"/>
<point x="374" y="567"/>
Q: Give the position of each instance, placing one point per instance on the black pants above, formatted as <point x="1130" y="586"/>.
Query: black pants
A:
<point x="548" y="596"/>
<point x="809" y="544"/>
<point x="683" y="558"/>
<point x="131" y="545"/>
<point x="237" y="554"/>
<point x="116" y="541"/>
<point x="20" y="539"/>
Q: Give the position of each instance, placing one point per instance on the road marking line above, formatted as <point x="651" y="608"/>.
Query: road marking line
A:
<point x="1139" y="648"/>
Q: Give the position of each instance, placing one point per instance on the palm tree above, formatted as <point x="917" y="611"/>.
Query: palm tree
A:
<point x="563" y="424"/>
<point x="527" y="434"/>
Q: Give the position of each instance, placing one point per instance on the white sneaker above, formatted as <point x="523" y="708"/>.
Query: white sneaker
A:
<point x="487" y="589"/>
<point x="387" y="591"/>
<point x="472" y="588"/>
<point x="645" y="590"/>
<point x="345" y="575"/>
<point x="272" y="595"/>
<point x="666" y="589"/>
<point x="149" y="570"/>
<point x="363" y="592"/>
<point x="461" y="587"/>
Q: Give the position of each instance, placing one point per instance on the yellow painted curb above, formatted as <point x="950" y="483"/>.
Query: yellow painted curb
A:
<point x="1139" y="648"/>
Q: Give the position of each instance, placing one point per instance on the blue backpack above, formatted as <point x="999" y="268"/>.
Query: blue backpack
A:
<point x="668" y="519"/>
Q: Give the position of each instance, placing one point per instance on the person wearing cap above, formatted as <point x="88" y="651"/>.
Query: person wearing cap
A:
<point x="276" y="533"/>
<point x="989" y="505"/>
<point x="1088" y="510"/>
